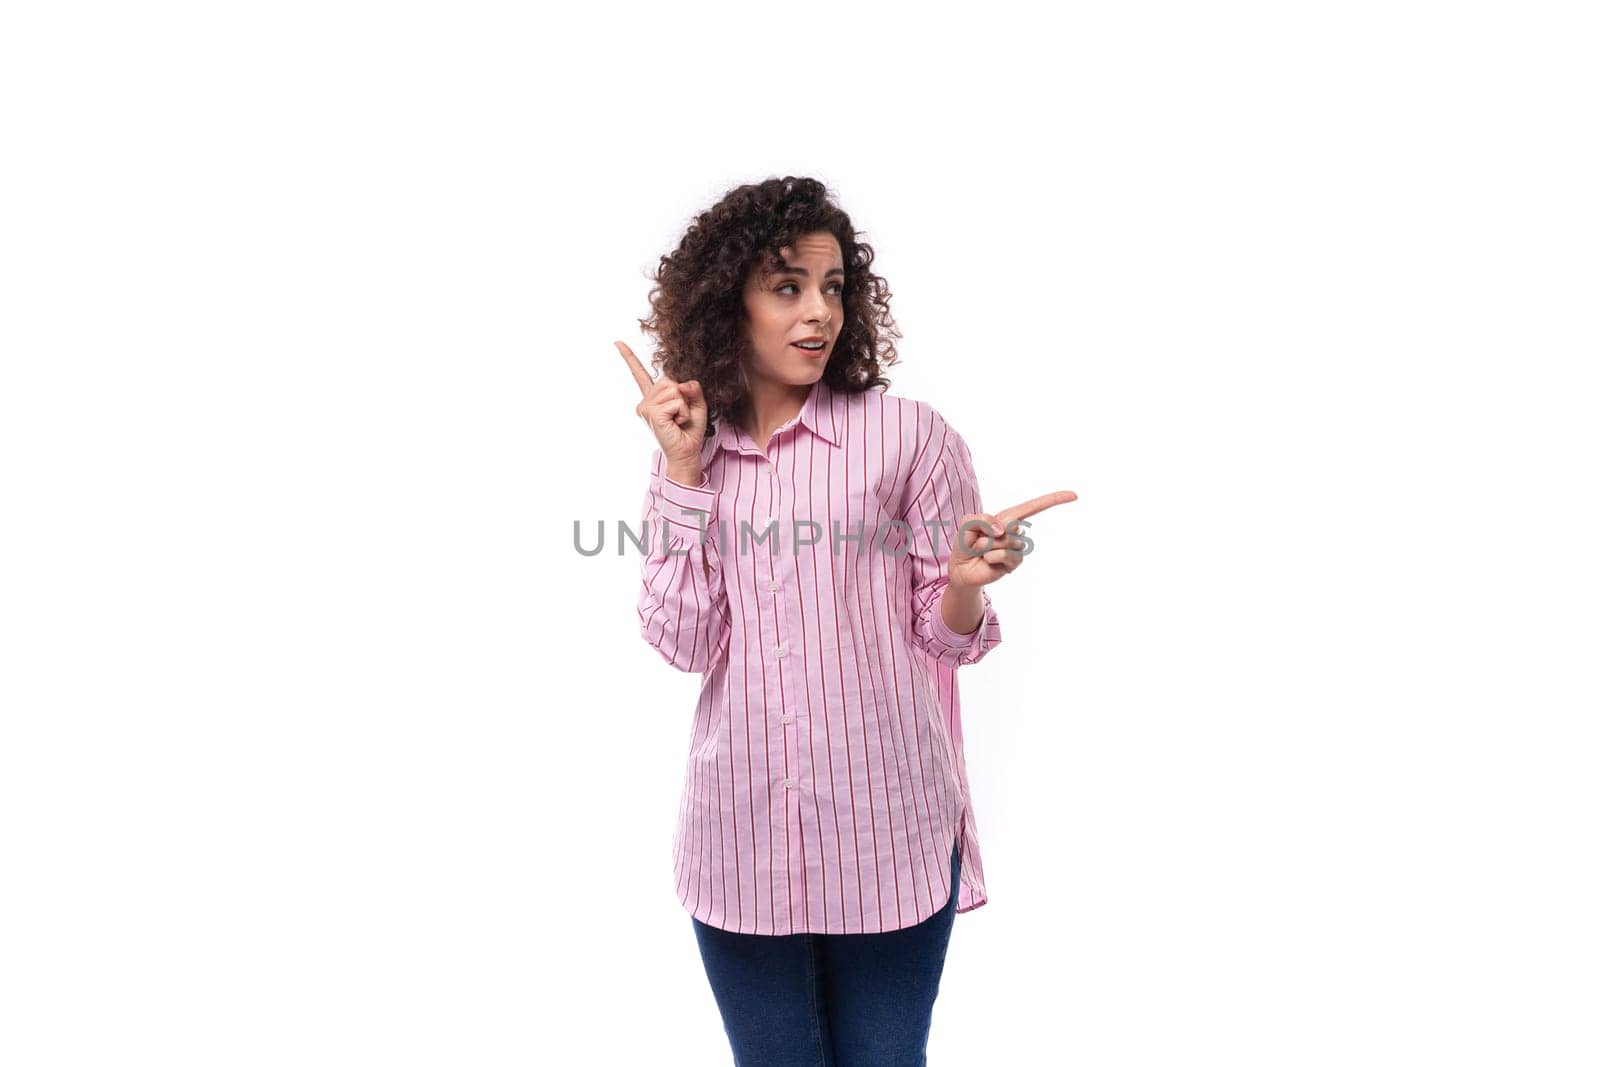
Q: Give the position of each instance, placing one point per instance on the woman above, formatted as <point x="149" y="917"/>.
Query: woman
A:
<point x="800" y="525"/>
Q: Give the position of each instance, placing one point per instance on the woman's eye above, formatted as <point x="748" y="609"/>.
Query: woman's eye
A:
<point x="838" y="286"/>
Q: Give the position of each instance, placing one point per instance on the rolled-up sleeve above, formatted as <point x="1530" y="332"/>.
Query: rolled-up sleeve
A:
<point x="944" y="488"/>
<point x="683" y="608"/>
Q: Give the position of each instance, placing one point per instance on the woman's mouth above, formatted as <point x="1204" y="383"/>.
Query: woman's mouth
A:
<point x="811" y="348"/>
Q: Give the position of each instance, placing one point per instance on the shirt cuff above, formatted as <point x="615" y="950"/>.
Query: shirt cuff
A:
<point x="681" y="501"/>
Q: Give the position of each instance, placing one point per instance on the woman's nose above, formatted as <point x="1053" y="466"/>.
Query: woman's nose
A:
<point x="817" y="309"/>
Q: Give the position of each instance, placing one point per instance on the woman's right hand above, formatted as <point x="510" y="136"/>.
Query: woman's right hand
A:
<point x="675" y="412"/>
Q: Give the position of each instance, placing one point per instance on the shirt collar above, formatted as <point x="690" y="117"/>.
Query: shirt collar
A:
<point x="819" y="414"/>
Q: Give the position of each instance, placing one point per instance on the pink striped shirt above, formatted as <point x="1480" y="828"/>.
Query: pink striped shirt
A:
<point x="826" y="785"/>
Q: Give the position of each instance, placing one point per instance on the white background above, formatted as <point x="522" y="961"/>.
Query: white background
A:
<point x="323" y="745"/>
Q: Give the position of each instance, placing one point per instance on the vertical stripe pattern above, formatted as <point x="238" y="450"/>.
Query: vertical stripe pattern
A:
<point x="826" y="781"/>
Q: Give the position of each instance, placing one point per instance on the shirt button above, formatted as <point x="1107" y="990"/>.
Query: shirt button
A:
<point x="780" y="650"/>
<point x="788" y="783"/>
<point x="788" y="718"/>
<point x="774" y="586"/>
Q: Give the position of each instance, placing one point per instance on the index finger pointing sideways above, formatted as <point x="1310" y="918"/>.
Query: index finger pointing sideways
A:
<point x="1034" y="506"/>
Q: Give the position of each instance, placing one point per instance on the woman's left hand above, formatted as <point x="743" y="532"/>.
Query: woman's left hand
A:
<point x="978" y="558"/>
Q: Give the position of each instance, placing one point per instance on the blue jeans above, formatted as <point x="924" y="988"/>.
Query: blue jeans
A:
<point x="830" y="1000"/>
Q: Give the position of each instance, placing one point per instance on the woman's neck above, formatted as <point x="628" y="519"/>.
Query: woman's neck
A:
<point x="769" y="406"/>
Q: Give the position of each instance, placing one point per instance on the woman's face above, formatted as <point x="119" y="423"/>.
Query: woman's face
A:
<point x="805" y="300"/>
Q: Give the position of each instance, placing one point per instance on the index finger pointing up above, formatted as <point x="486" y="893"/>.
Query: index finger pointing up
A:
<point x="1034" y="506"/>
<point x="640" y="375"/>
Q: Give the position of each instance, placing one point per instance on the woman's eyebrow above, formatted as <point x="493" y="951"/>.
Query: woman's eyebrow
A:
<point x="786" y="269"/>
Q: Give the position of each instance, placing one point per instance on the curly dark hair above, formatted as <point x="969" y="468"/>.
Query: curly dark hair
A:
<point x="697" y="305"/>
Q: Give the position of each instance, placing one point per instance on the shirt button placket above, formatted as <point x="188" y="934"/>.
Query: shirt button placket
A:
<point x="775" y="586"/>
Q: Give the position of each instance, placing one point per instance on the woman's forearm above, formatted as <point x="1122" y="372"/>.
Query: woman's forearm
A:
<point x="962" y="608"/>
<point x="689" y="474"/>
